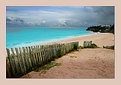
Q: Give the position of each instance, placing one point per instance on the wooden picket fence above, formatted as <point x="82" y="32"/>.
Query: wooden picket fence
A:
<point x="20" y="61"/>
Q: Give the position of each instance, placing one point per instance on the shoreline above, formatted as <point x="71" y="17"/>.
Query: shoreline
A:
<point x="101" y="39"/>
<point x="97" y="38"/>
<point x="52" y="41"/>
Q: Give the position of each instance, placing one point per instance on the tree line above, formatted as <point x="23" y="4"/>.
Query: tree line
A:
<point x="102" y="29"/>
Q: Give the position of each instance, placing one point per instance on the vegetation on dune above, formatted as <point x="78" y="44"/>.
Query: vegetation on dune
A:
<point x="73" y="56"/>
<point x="48" y="66"/>
<point x="75" y="46"/>
<point x="59" y="53"/>
<point x="109" y="47"/>
<point x="89" y="44"/>
<point x="92" y="46"/>
<point x="102" y="29"/>
<point x="80" y="47"/>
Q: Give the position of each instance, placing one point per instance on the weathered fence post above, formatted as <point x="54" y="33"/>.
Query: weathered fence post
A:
<point x="8" y="68"/>
<point x="19" y="60"/>
<point x="22" y="60"/>
<point x="25" y="56"/>
<point x="15" y="61"/>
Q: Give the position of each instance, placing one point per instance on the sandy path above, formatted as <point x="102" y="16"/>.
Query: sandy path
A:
<point x="85" y="63"/>
<point x="82" y="65"/>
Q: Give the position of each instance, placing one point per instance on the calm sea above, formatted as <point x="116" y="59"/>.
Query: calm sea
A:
<point x="27" y="36"/>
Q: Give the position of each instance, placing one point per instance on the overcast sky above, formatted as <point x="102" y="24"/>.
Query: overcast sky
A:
<point x="57" y="16"/>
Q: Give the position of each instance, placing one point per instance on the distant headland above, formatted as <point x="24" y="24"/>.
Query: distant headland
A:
<point x="102" y="29"/>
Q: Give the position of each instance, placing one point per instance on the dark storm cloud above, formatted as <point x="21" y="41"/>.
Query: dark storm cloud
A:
<point x="105" y="14"/>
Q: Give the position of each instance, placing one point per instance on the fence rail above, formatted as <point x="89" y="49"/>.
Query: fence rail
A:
<point x="20" y="61"/>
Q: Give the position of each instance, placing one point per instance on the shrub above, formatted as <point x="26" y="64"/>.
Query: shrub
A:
<point x="59" y="53"/>
<point x="109" y="47"/>
<point x="81" y="47"/>
<point x="89" y="44"/>
<point x="93" y="46"/>
<point x="48" y="66"/>
<point x="75" y="46"/>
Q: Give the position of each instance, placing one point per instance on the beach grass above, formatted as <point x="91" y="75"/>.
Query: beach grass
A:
<point x="109" y="47"/>
<point x="48" y="66"/>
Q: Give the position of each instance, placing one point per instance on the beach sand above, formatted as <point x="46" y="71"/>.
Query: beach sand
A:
<point x="100" y="39"/>
<point x="87" y="63"/>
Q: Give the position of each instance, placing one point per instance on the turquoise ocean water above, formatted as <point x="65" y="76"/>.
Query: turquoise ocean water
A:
<point x="27" y="36"/>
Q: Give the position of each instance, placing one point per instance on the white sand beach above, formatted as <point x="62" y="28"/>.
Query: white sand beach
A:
<point x="100" y="39"/>
<point x="85" y="63"/>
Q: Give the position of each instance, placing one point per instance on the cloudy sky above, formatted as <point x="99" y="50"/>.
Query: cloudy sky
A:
<point x="59" y="16"/>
